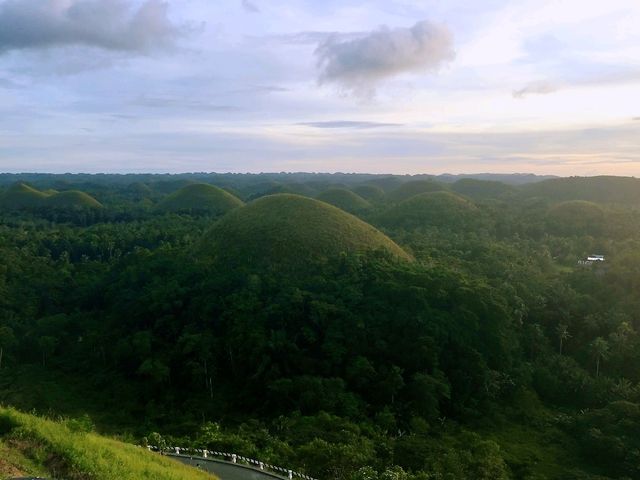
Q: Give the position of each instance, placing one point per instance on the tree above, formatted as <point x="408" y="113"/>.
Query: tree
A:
<point x="563" y="334"/>
<point x="600" y="351"/>
<point x="7" y="340"/>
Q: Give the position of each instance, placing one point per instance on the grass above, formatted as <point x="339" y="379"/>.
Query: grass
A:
<point x="429" y="209"/>
<point x="21" y="197"/>
<point x="288" y="229"/>
<point x="344" y="199"/>
<point x="72" y="199"/>
<point x="372" y="193"/>
<point x="416" y="187"/>
<point x="60" y="448"/>
<point x="200" y="197"/>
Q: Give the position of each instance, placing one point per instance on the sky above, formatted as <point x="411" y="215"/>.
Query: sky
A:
<point x="378" y="86"/>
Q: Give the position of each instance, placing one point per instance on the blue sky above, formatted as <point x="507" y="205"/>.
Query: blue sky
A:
<point x="383" y="86"/>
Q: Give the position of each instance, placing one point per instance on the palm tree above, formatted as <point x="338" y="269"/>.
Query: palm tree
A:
<point x="563" y="334"/>
<point x="600" y="350"/>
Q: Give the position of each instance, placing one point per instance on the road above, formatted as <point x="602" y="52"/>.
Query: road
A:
<point x="226" y="470"/>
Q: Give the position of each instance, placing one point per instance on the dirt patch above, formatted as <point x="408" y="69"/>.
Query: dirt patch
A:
<point x="9" y="470"/>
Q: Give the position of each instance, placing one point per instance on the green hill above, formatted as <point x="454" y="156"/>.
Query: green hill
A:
<point x="415" y="187"/>
<point x="292" y="188"/>
<point x="344" y="199"/>
<point x="290" y="229"/>
<point x="481" y="189"/>
<point x="372" y="193"/>
<point x="200" y="197"/>
<point x="72" y="200"/>
<point x="31" y="445"/>
<point x="576" y="217"/>
<point x="602" y="189"/>
<point x="21" y="196"/>
<point x="442" y="209"/>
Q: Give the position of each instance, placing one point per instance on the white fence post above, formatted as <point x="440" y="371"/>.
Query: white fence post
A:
<point x="204" y="453"/>
<point x="234" y="458"/>
<point x="290" y="474"/>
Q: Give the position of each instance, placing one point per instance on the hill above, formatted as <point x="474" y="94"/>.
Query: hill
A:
<point x="481" y="189"/>
<point x="430" y="209"/>
<point x="72" y="199"/>
<point x="602" y="189"/>
<point x="415" y="187"/>
<point x="344" y="199"/>
<point x="200" y="197"/>
<point x="288" y="229"/>
<point x="35" y="446"/>
<point x="21" y="196"/>
<point x="576" y="217"/>
<point x="372" y="193"/>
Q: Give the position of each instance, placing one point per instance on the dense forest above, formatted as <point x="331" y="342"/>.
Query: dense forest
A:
<point x="354" y="327"/>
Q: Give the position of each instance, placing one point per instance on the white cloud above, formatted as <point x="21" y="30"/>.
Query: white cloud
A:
<point x="358" y="65"/>
<point x="106" y="24"/>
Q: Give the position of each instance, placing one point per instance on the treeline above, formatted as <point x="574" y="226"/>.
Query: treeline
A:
<point x="493" y="355"/>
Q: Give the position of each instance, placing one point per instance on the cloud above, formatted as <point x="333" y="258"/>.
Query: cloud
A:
<point x="310" y="37"/>
<point x="115" y="25"/>
<point x="536" y="88"/>
<point x="358" y="65"/>
<point x="180" y="104"/>
<point x="249" y="6"/>
<point x="9" y="84"/>
<point x="349" y="124"/>
<point x="546" y="87"/>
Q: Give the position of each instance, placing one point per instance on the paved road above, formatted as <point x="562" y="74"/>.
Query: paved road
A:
<point x="225" y="470"/>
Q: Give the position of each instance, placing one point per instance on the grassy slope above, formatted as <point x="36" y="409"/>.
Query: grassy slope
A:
<point x="415" y="187"/>
<point x="72" y="199"/>
<point x="33" y="443"/>
<point x="200" y="196"/>
<point x="290" y="228"/>
<point x="344" y="199"/>
<point x="433" y="208"/>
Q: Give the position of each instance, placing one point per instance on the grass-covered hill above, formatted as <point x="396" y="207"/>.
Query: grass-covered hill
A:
<point x="72" y="199"/>
<point x="344" y="199"/>
<point x="292" y="188"/>
<point x="200" y="197"/>
<point x="35" y="446"/>
<point x="290" y="229"/>
<point x="482" y="189"/>
<point x="23" y="197"/>
<point x="442" y="209"/>
<point x="601" y="189"/>
<point x="576" y="217"/>
<point x="415" y="187"/>
<point x="372" y="193"/>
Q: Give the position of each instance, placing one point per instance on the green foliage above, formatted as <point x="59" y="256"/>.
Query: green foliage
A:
<point x="415" y="187"/>
<point x="371" y="193"/>
<point x="344" y="199"/>
<point x="73" y="452"/>
<point x="290" y="229"/>
<point x="290" y="331"/>
<point x="440" y="209"/>
<point x="200" y="197"/>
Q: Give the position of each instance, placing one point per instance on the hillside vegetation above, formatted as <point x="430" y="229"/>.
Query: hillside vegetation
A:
<point x="291" y="331"/>
<point x="344" y="199"/>
<point x="33" y="445"/>
<point x="439" y="209"/>
<point x="416" y="187"/>
<point x="291" y="229"/>
<point x="24" y="197"/>
<point x="200" y="197"/>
